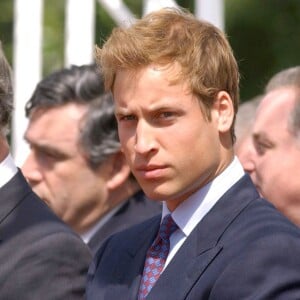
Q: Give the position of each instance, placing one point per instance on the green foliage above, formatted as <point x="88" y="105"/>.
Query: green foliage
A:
<point x="189" y="4"/>
<point x="264" y="35"/>
<point x="6" y="28"/>
<point x="265" y="38"/>
<point x="135" y="6"/>
<point x="104" y="25"/>
<point x="53" y="35"/>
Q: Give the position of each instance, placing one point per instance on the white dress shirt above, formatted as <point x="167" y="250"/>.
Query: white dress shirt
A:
<point x="190" y="212"/>
<point x="7" y="170"/>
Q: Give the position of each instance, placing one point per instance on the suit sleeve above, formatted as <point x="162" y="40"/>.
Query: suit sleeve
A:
<point x="57" y="271"/>
<point x="268" y="269"/>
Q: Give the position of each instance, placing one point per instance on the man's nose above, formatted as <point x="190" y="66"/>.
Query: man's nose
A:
<point x="145" y="138"/>
<point x="31" y="169"/>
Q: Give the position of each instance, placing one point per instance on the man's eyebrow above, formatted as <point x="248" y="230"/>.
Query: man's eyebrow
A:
<point x="257" y="137"/>
<point x="45" y="147"/>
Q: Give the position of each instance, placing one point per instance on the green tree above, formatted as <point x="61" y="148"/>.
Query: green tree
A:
<point x="264" y="35"/>
<point x="6" y="27"/>
<point x="265" y="38"/>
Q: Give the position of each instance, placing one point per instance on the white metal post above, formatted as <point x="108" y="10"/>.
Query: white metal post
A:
<point x="118" y="11"/>
<point x="152" y="5"/>
<point x="80" y="32"/>
<point x="27" y="66"/>
<point x="79" y="45"/>
<point x="211" y="11"/>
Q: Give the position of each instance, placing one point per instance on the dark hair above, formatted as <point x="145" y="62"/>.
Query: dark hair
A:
<point x="77" y="84"/>
<point x="99" y="132"/>
<point x="83" y="85"/>
<point x="6" y="93"/>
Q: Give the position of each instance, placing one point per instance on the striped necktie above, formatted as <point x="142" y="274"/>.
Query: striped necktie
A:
<point x="156" y="256"/>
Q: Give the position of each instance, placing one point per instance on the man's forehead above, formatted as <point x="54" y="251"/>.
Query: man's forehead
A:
<point x="277" y="102"/>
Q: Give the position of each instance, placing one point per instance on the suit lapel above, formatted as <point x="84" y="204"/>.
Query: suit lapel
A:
<point x="12" y="193"/>
<point x="203" y="245"/>
<point x="129" y="267"/>
<point x="184" y="270"/>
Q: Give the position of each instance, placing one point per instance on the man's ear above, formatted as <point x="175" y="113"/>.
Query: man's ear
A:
<point x="224" y="109"/>
<point x="119" y="171"/>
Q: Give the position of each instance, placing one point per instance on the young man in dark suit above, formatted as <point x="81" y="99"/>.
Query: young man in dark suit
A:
<point x="40" y="257"/>
<point x="175" y="83"/>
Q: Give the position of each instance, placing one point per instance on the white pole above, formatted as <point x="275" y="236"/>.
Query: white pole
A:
<point x="118" y="11"/>
<point x="80" y="32"/>
<point x="27" y="66"/>
<point x="152" y="5"/>
<point x="211" y="11"/>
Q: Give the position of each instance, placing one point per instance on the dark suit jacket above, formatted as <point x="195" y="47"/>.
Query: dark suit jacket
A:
<point x="136" y="209"/>
<point x="40" y="257"/>
<point x="242" y="249"/>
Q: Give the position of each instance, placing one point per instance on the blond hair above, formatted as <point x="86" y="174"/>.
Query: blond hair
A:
<point x="170" y="35"/>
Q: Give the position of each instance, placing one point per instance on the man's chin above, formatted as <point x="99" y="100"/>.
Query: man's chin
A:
<point x="44" y="199"/>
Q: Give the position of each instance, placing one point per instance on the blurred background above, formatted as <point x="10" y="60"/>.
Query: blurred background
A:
<point x="264" y="34"/>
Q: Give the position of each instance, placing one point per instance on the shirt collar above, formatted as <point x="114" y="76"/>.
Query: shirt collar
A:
<point x="190" y="212"/>
<point x="7" y="170"/>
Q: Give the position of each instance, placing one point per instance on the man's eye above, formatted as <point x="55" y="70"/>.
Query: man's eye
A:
<point x="127" y="118"/>
<point x="46" y="155"/>
<point x="53" y="155"/>
<point x="166" y="114"/>
<point x="261" y="147"/>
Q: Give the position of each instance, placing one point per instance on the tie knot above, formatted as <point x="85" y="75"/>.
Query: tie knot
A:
<point x="167" y="227"/>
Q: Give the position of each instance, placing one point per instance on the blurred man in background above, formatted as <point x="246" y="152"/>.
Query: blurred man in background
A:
<point x="40" y="257"/>
<point x="274" y="162"/>
<point x="76" y="165"/>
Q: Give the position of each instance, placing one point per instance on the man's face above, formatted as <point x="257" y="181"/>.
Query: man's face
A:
<point x="170" y="146"/>
<point x="56" y="168"/>
<point x="274" y="162"/>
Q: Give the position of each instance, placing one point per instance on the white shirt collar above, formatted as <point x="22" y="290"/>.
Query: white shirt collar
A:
<point x="7" y="170"/>
<point x="189" y="213"/>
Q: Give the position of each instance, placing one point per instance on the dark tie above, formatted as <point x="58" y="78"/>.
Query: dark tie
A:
<point x="156" y="256"/>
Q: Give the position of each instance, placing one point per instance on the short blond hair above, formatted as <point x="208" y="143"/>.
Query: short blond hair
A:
<point x="172" y="35"/>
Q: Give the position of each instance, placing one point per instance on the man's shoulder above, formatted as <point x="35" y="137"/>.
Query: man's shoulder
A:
<point x="27" y="222"/>
<point x="131" y="237"/>
<point x="132" y="241"/>
<point x="22" y="209"/>
<point x="260" y="221"/>
<point x="243" y="215"/>
<point x="134" y="230"/>
<point x="32" y="222"/>
<point x="33" y="238"/>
